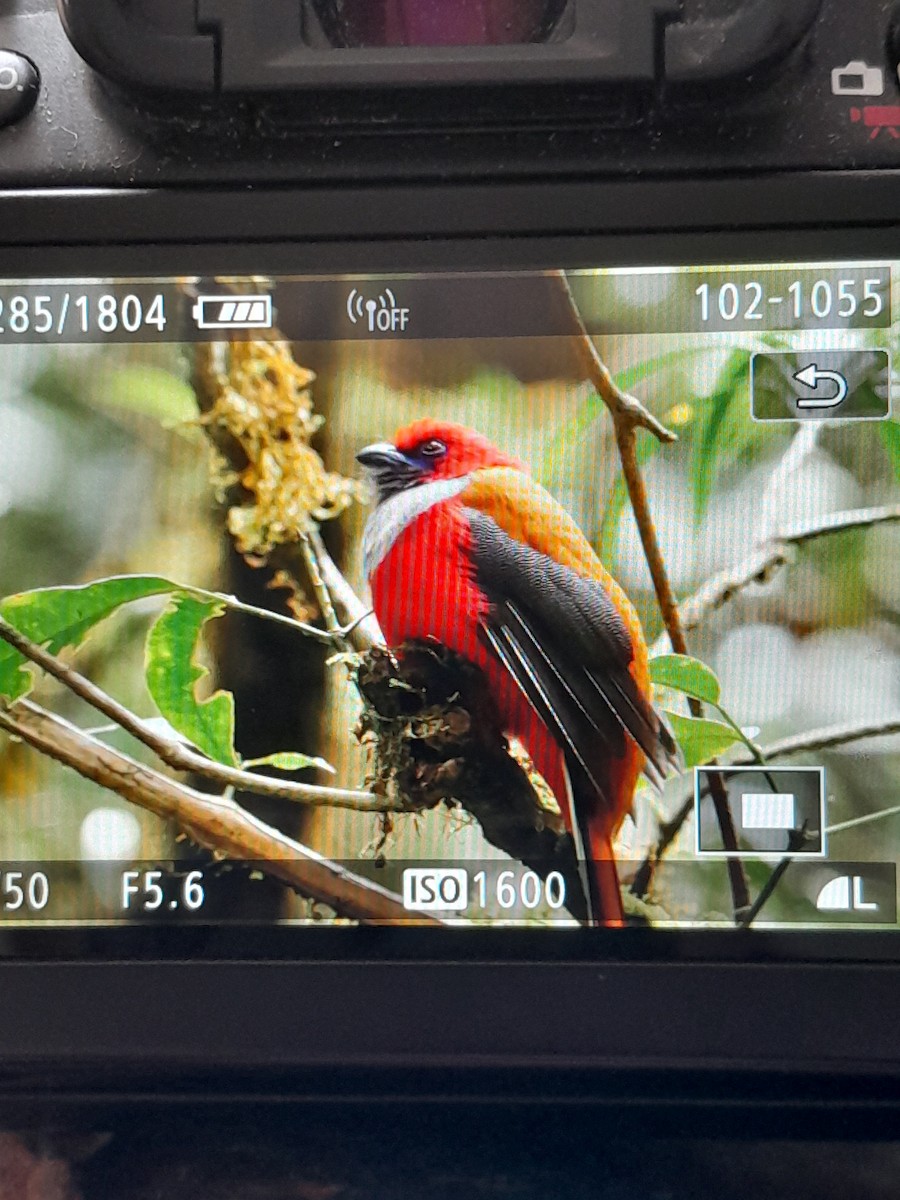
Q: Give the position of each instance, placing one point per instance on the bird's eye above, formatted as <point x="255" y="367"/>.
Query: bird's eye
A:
<point x="433" y="448"/>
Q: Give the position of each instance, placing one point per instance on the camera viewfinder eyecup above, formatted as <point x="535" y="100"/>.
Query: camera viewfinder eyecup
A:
<point x="288" y="46"/>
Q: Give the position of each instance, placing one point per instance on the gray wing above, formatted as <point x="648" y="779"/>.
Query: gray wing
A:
<point x="564" y="642"/>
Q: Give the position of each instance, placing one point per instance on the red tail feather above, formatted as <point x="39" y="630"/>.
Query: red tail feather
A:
<point x="607" y="891"/>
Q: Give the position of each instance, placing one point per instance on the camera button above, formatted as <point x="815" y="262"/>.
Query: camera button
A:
<point x="776" y="811"/>
<point x="841" y="385"/>
<point x="19" y="87"/>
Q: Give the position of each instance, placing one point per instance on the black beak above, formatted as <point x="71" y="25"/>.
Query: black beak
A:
<point x="383" y="457"/>
<point x="390" y="468"/>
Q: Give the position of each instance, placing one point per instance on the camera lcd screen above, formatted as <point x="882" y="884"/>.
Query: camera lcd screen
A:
<point x="536" y="599"/>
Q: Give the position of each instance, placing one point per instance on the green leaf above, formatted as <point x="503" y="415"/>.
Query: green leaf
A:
<point x="710" y="439"/>
<point x="701" y="740"/>
<point x="58" y="618"/>
<point x="290" y="761"/>
<point x="687" y="675"/>
<point x="173" y="675"/>
<point x="890" y="436"/>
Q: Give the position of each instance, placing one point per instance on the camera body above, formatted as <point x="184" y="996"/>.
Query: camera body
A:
<point x="231" y="138"/>
<point x="674" y="90"/>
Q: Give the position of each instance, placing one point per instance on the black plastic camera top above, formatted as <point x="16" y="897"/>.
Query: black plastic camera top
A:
<point x="201" y="92"/>
<point x="285" y="45"/>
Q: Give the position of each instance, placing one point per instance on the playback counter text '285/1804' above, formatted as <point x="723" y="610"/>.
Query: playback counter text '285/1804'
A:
<point x="62" y="314"/>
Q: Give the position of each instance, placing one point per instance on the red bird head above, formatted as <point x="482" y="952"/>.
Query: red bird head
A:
<point x="427" y="451"/>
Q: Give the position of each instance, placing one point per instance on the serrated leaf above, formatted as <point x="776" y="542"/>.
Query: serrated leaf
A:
<point x="289" y="761"/>
<point x="700" y="739"/>
<point x="890" y="436"/>
<point x="709" y="441"/>
<point x="59" y="618"/>
<point x="686" y="674"/>
<point x="173" y="674"/>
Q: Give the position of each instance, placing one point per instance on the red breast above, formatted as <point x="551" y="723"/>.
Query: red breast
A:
<point x="425" y="587"/>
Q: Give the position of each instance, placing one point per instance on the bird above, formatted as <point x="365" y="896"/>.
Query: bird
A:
<point x="463" y="546"/>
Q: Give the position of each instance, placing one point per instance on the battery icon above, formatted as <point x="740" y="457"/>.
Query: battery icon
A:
<point x="233" y="312"/>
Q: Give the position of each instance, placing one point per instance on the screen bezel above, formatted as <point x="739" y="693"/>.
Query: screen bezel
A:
<point x="748" y="979"/>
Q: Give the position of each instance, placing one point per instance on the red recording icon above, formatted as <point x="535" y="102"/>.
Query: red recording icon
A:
<point x="878" y="117"/>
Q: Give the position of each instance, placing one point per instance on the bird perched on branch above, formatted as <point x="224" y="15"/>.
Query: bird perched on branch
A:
<point x="463" y="546"/>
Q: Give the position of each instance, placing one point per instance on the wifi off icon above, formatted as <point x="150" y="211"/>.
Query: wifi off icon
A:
<point x="378" y="315"/>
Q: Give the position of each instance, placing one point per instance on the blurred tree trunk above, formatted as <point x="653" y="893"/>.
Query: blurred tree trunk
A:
<point x="278" y="681"/>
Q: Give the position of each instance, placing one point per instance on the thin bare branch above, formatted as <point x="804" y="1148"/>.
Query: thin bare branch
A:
<point x="361" y="626"/>
<point x="866" y="819"/>
<point x="323" y="596"/>
<point x="762" y="564"/>
<point x="629" y="415"/>
<point x="266" y="614"/>
<point x="626" y="409"/>
<point x="180" y="757"/>
<point x="811" y="742"/>
<point x="829" y="738"/>
<point x="760" y="567"/>
<point x="214" y="822"/>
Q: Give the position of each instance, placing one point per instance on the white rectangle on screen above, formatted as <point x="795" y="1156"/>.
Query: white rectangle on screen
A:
<point x="768" y="810"/>
<point x="435" y="889"/>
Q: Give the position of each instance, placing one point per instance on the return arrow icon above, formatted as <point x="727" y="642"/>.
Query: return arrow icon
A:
<point x="811" y="377"/>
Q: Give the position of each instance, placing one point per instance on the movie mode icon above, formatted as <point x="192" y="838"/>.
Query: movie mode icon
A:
<point x="774" y="811"/>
